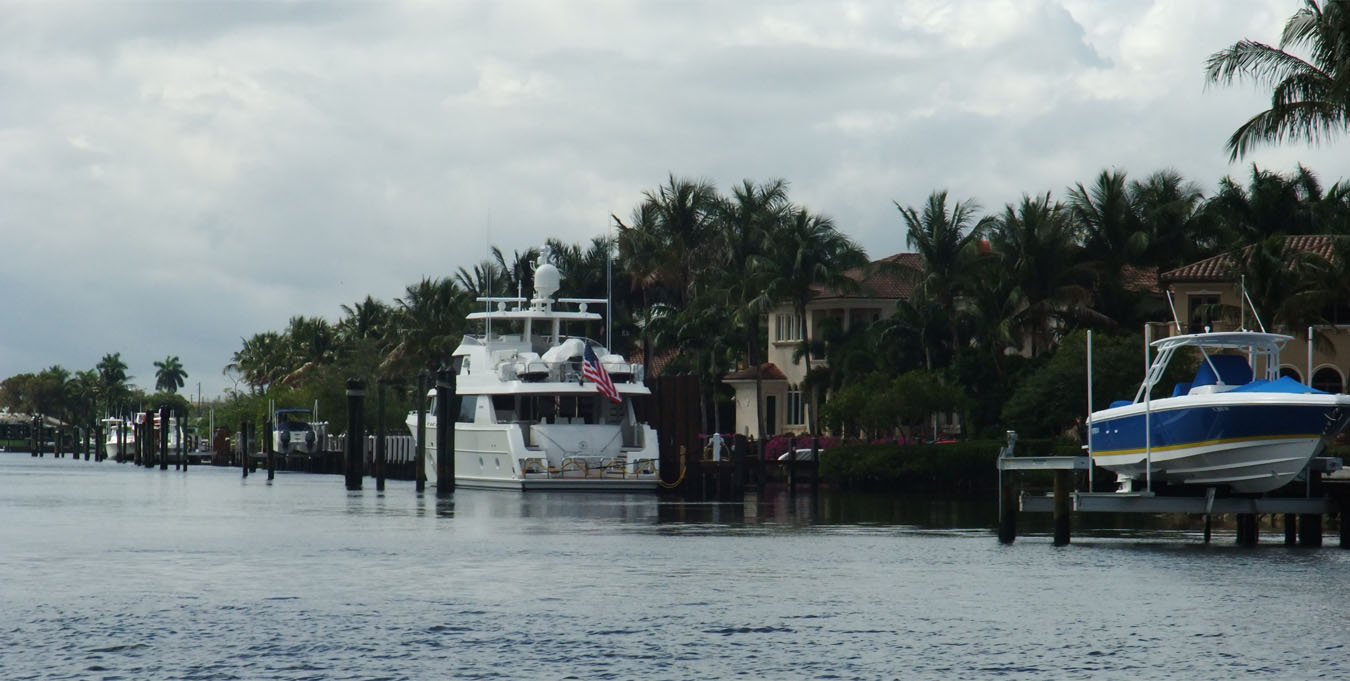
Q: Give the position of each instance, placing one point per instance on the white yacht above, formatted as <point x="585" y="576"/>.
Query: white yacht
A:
<point x="543" y="410"/>
<point x="114" y="446"/>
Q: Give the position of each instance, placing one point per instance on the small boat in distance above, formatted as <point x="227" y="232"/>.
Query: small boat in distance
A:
<point x="292" y="432"/>
<point x="1223" y="428"/>
<point x="119" y="440"/>
<point x="543" y="410"/>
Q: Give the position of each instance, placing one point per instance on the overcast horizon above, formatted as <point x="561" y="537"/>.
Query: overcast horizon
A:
<point x="176" y="176"/>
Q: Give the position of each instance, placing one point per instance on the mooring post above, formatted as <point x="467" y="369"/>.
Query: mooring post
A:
<point x="1310" y="524"/>
<point x="445" y="429"/>
<point x="792" y="466"/>
<point x="815" y="464"/>
<point x="1248" y="529"/>
<point x="182" y="441"/>
<point x="270" y="447"/>
<point x="356" y="438"/>
<point x="1345" y="529"/>
<point x="35" y="437"/>
<point x="738" y="461"/>
<point x="1063" y="507"/>
<point x="1209" y="527"/>
<point x="182" y="451"/>
<point x="163" y="438"/>
<point x="243" y="448"/>
<point x="420" y="457"/>
<point x="379" y="435"/>
<point x="1290" y="529"/>
<point x="1007" y="508"/>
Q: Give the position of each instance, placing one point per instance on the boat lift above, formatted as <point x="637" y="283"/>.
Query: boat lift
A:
<point x="1305" y="511"/>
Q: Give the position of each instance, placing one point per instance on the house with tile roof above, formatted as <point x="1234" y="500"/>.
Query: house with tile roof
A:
<point x="881" y="287"/>
<point x="1202" y="289"/>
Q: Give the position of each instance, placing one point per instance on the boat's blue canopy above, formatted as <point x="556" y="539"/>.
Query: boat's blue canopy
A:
<point x="1233" y="369"/>
<point x="1284" y="384"/>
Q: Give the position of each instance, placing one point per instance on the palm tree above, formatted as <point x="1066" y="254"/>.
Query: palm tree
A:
<point x="946" y="241"/>
<point x="169" y="374"/>
<point x="1113" y="238"/>
<point x="1310" y="98"/>
<point x="112" y="376"/>
<point x="1038" y="245"/>
<point x="807" y="254"/>
<point x="1175" y="230"/>
<point x="260" y="361"/>
<point x="743" y="223"/>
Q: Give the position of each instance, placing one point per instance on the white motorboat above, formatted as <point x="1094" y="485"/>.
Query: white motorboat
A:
<point x="1223" y="428"/>
<point x="292" y="432"/>
<point x="119" y="438"/>
<point x="543" y="410"/>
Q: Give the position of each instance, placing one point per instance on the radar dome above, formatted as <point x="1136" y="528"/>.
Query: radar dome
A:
<point x="547" y="280"/>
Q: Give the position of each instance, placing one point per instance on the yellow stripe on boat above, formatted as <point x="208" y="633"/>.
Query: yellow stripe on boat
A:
<point x="1204" y="443"/>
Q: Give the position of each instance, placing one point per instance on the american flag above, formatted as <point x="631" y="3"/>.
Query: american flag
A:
<point x="595" y="373"/>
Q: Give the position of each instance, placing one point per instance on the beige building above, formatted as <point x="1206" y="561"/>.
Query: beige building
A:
<point x="1201" y="289"/>
<point x="786" y="410"/>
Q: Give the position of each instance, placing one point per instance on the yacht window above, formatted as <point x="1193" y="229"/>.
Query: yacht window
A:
<point x="467" y="407"/>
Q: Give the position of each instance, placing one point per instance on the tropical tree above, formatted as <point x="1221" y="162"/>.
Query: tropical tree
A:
<point x="806" y="255"/>
<point x="946" y="241"/>
<point x="112" y="377"/>
<point x="744" y="222"/>
<point x="1310" y="98"/>
<point x="1039" y="247"/>
<point x="169" y="374"/>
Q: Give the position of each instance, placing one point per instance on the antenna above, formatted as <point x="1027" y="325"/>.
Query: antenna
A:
<point x="1248" y="299"/>
<point x="1172" y="304"/>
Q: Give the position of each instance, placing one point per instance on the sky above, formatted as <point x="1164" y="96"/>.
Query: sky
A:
<point x="177" y="176"/>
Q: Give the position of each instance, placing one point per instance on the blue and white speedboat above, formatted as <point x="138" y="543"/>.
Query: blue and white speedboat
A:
<point x="1225" y="427"/>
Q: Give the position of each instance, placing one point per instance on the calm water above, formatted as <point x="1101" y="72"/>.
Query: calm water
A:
<point x="112" y="572"/>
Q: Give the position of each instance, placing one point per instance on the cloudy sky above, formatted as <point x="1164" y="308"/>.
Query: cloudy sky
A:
<point x="175" y="176"/>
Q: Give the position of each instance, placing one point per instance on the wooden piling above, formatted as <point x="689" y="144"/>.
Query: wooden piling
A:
<point x="164" y="438"/>
<point x="270" y="447"/>
<point x="1007" y="511"/>
<point x="1063" y="490"/>
<point x="420" y="457"/>
<point x="243" y="448"/>
<point x="1310" y="524"/>
<point x="182" y="441"/>
<point x="1248" y="529"/>
<point x="792" y="466"/>
<point x="1345" y="530"/>
<point x="738" y="461"/>
<point x="379" y="435"/>
<point x="356" y="438"/>
<point x="446" y="398"/>
<point x="1290" y="529"/>
<point x="1209" y="527"/>
<point x="815" y="464"/>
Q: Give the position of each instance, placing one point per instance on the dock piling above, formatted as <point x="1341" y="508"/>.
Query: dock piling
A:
<point x="164" y="438"/>
<point x="356" y="440"/>
<point x="445" y="429"/>
<point x="1063" y="490"/>
<point x="379" y="435"/>
<point x="270" y="448"/>
<point x="420" y="458"/>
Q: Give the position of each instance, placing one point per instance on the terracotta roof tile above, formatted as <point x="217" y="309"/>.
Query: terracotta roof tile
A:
<point x="893" y="276"/>
<point x="768" y="371"/>
<point x="1219" y="267"/>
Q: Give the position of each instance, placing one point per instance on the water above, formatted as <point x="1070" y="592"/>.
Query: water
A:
<point x="112" y="572"/>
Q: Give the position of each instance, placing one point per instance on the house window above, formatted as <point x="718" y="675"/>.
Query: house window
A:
<point x="789" y="327"/>
<point x="795" y="415"/>
<point x="1203" y="310"/>
<point x="1290" y="372"/>
<point x="1327" y="380"/>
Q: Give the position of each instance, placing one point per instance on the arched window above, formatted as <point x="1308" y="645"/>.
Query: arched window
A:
<point x="1327" y="379"/>
<point x="1291" y="372"/>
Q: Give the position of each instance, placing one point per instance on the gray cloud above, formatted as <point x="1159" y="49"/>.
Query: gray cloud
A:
<point x="175" y="176"/>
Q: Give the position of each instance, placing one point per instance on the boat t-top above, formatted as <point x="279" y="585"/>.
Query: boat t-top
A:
<point x="541" y="409"/>
<point x="1237" y="424"/>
